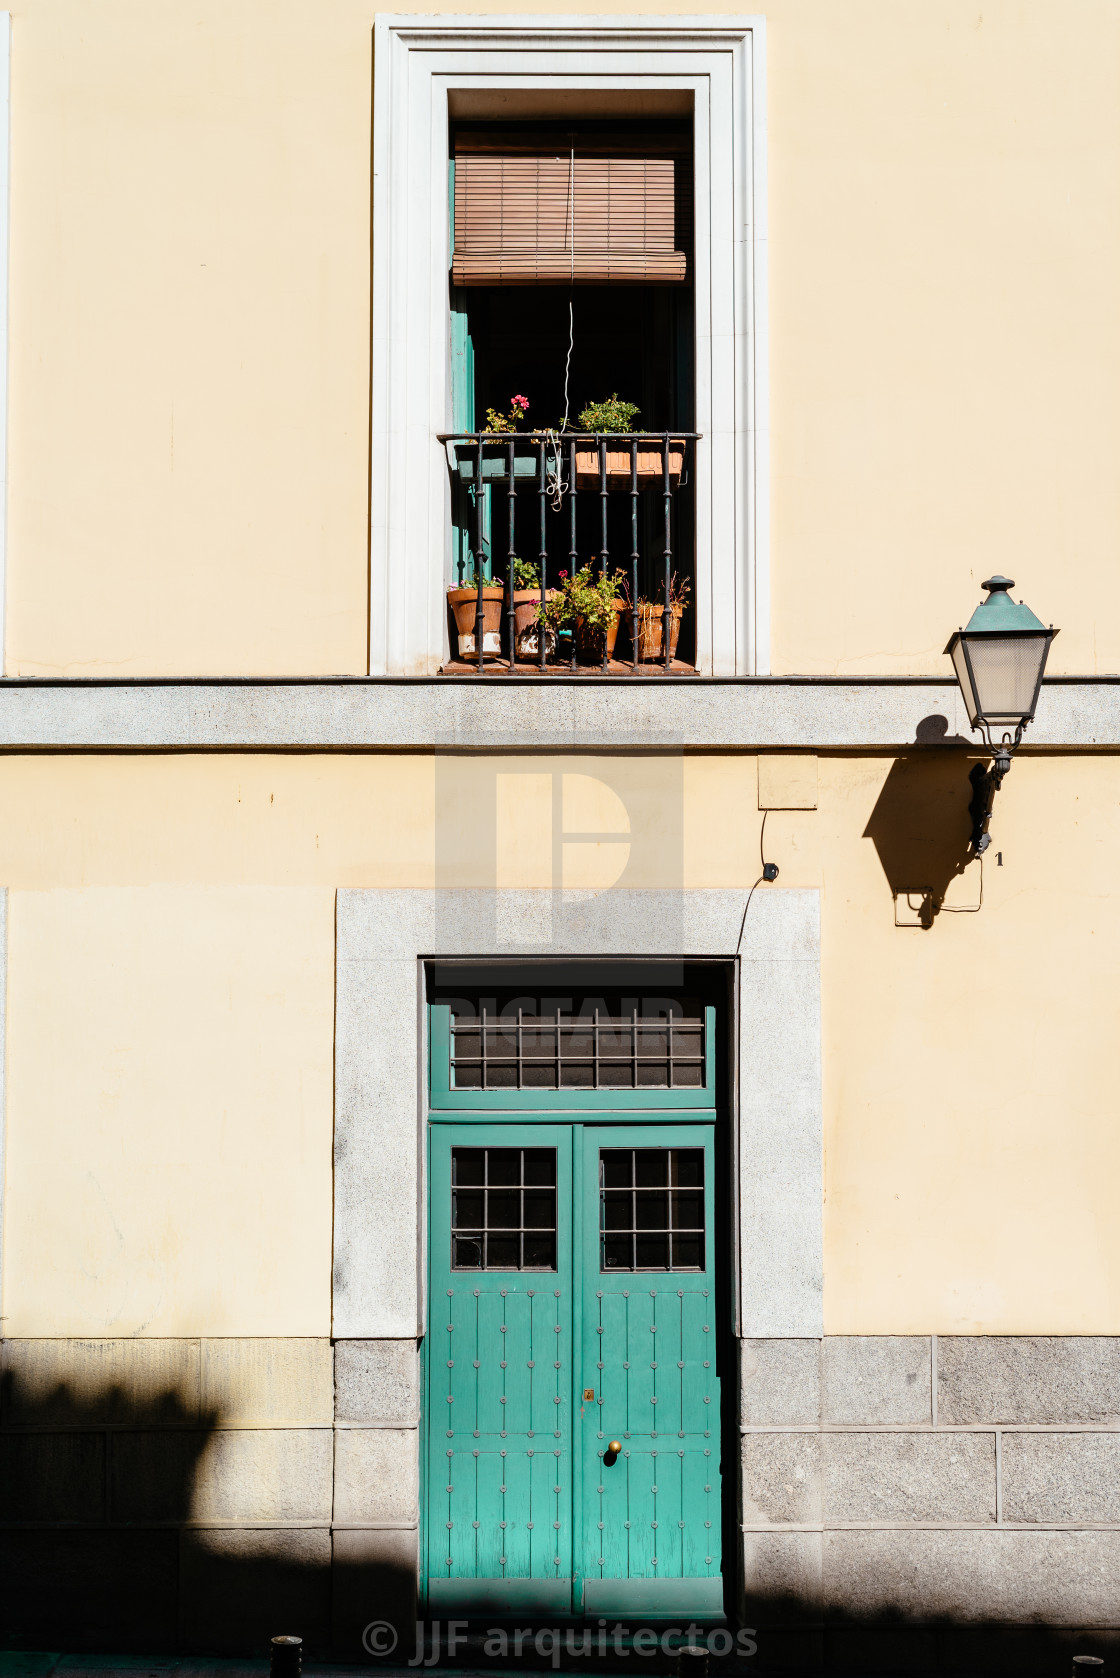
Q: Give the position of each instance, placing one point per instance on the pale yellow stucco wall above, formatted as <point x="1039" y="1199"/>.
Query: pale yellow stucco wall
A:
<point x="171" y="1005"/>
<point x="190" y="329"/>
<point x="168" y="1161"/>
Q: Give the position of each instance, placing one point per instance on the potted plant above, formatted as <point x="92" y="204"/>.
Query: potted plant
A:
<point x="651" y="620"/>
<point x="589" y="607"/>
<point x="495" y="465"/>
<point x="518" y="408"/>
<point x="464" y="606"/>
<point x="613" y="416"/>
<point x="526" y="604"/>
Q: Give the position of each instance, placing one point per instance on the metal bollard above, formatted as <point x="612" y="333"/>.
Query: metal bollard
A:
<point x="286" y="1657"/>
<point x="1085" y="1666"/>
<point x="692" y="1661"/>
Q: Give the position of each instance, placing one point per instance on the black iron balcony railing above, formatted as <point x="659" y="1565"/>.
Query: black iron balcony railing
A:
<point x="558" y="470"/>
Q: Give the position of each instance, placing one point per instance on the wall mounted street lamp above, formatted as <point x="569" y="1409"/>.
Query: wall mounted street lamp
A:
<point x="999" y="660"/>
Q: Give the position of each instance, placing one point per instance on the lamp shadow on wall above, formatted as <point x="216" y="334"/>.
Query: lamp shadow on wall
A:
<point x="102" y="1548"/>
<point x="920" y="825"/>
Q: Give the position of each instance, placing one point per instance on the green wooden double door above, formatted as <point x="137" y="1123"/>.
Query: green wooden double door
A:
<point x="572" y="1309"/>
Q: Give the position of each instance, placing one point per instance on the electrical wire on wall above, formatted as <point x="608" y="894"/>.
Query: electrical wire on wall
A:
<point x="967" y="908"/>
<point x="769" y="875"/>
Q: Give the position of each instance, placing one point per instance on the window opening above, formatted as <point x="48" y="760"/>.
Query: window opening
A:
<point x="571" y="282"/>
<point x="598" y="1047"/>
<point x="503" y="1208"/>
<point x="651" y="1208"/>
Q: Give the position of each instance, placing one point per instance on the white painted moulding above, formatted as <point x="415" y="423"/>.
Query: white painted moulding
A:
<point x="409" y="715"/>
<point x="422" y="63"/>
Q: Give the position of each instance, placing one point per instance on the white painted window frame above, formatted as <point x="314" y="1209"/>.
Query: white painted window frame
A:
<point x="5" y="197"/>
<point x="418" y="61"/>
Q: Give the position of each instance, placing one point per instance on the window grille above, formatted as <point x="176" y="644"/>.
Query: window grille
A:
<point x="651" y="1208"/>
<point x="503" y="1208"/>
<point x="554" y="1050"/>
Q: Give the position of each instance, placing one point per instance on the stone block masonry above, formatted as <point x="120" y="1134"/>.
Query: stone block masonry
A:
<point x="201" y="1494"/>
<point x="907" y="1503"/>
<point x="922" y="1501"/>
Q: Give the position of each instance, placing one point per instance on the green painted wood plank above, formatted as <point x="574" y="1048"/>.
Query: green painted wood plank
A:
<point x="515" y="1512"/>
<point x="656" y="1599"/>
<point x="503" y="1598"/>
<point x="668" y="1504"/>
<point x="548" y="1102"/>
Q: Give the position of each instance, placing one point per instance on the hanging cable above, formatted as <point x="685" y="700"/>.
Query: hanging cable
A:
<point x="555" y="484"/>
<point x="571" y="316"/>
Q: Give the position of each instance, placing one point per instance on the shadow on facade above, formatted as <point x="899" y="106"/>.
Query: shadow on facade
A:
<point x="796" y="1635"/>
<point x="921" y="828"/>
<point x="101" y="1548"/>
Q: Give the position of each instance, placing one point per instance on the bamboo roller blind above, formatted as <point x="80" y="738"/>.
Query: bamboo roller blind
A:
<point x="525" y="216"/>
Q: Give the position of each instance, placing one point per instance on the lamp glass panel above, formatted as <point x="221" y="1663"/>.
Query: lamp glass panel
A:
<point x="1006" y="668"/>
<point x="965" y="680"/>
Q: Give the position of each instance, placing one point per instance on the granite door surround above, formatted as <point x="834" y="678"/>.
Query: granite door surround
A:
<point x="383" y="940"/>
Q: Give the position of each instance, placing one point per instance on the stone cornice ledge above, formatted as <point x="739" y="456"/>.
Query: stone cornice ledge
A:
<point x="388" y="715"/>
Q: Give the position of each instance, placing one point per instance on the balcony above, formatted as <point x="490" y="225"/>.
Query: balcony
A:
<point x="530" y="594"/>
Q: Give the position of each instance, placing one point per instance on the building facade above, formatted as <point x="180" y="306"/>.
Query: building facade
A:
<point x="522" y="1106"/>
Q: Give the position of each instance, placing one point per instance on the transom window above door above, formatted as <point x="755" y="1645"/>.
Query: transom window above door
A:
<point x="596" y="1049"/>
<point x="598" y="1046"/>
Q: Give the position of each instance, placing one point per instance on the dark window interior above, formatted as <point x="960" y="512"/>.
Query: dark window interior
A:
<point x="605" y="1041"/>
<point x="651" y="1204"/>
<point x="503" y="1208"/>
<point x="636" y="340"/>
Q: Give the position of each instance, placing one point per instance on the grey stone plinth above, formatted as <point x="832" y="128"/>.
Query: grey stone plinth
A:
<point x="781" y="1383"/>
<point x="1060" y="1477"/>
<point x="238" y="1586"/>
<point x="377" y="1382"/>
<point x="870" y="1651"/>
<point x="870" y="1378"/>
<point x="152" y="1474"/>
<point x="375" y="1576"/>
<point x="274" y="1474"/>
<point x="1030" y="1379"/>
<point x="376" y="1476"/>
<point x="95" y="1381"/>
<point x="52" y="1477"/>
<point x="60" y="1587"/>
<point x="275" y="1381"/>
<point x="1057" y="1578"/>
<point x="904" y="1477"/>
<point x="781" y="1478"/>
<point x="781" y="1576"/>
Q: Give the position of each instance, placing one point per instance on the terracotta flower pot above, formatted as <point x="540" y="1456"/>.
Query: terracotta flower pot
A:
<point x="589" y="637"/>
<point x="464" y="604"/>
<point x="649" y="629"/>
<point x="651" y="468"/>
<point x="525" y="625"/>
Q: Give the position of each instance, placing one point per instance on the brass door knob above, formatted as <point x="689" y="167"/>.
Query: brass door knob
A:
<point x="615" y="1445"/>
